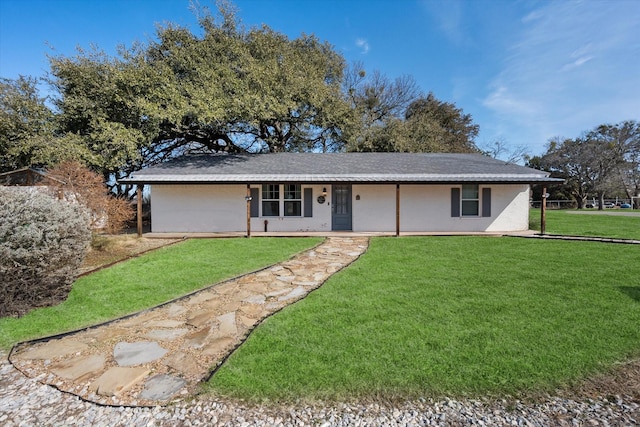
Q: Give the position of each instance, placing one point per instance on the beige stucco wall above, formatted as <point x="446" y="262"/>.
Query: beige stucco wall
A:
<point x="217" y="208"/>
<point x="511" y="208"/>
<point x="376" y="209"/>
<point x="198" y="208"/>
<point x="428" y="208"/>
<point x="321" y="220"/>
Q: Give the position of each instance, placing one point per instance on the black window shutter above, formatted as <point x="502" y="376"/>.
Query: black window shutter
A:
<point x="255" y="202"/>
<point x="486" y="202"/>
<point x="455" y="202"/>
<point x="308" y="202"/>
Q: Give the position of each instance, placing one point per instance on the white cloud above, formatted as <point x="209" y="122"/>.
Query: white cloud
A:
<point x="449" y="18"/>
<point x="533" y="16"/>
<point x="504" y="99"/>
<point x="576" y="63"/>
<point x="363" y="45"/>
<point x="573" y="66"/>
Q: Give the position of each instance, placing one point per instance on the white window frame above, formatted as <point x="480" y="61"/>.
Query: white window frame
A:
<point x="268" y="189"/>
<point x="289" y="190"/>
<point x="284" y="199"/>
<point x="476" y="200"/>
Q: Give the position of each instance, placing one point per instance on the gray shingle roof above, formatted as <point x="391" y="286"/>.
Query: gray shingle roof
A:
<point x="338" y="167"/>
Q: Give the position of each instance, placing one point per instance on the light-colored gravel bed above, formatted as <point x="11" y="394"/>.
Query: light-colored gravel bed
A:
<point x="26" y="402"/>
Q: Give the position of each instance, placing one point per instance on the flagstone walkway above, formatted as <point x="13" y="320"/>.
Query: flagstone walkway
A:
<point x="162" y="354"/>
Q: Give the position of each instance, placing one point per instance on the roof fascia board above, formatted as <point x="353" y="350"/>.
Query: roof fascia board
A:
<point x="369" y="182"/>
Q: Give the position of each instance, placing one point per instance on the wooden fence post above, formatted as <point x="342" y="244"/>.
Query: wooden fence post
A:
<point x="543" y="210"/>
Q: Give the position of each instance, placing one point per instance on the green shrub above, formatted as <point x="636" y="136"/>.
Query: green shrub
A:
<point x="43" y="241"/>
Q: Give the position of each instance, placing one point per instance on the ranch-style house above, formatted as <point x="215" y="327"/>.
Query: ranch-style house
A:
<point x="359" y="192"/>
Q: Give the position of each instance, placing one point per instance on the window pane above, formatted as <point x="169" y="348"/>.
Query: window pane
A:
<point x="270" y="208"/>
<point x="470" y="191"/>
<point x="341" y="200"/>
<point x="270" y="191"/>
<point x="292" y="191"/>
<point x="470" y="208"/>
<point x="470" y="200"/>
<point x="292" y="208"/>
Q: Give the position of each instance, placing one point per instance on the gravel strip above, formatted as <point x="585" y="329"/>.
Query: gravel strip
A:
<point x="26" y="402"/>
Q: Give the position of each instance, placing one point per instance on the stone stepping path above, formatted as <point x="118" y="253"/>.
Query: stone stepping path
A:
<point x="162" y="354"/>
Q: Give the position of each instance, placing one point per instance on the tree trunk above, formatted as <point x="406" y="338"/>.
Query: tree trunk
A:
<point x="600" y="201"/>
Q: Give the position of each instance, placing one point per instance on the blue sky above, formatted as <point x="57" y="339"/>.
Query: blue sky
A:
<point x="525" y="70"/>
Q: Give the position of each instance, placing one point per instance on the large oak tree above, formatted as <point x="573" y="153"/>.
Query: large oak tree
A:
<point x="393" y="115"/>
<point x="226" y="89"/>
<point x="222" y="88"/>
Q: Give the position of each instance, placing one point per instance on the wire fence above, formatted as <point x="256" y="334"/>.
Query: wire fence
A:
<point x="617" y="203"/>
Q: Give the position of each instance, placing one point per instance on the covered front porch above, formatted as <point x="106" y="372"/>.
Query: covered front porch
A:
<point x="223" y="235"/>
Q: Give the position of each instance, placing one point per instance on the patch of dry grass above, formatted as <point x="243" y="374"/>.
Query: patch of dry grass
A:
<point x="621" y="379"/>
<point x="108" y="249"/>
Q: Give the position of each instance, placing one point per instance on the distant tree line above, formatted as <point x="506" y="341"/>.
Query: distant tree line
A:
<point x="602" y="162"/>
<point x="223" y="89"/>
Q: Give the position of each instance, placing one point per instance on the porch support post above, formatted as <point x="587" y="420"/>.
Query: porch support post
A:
<point x="397" y="210"/>
<point x="248" y="199"/>
<point x="543" y="210"/>
<point x="139" y="208"/>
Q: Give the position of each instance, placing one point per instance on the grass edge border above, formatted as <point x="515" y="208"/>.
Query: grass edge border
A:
<point x="215" y="369"/>
<point x="47" y="338"/>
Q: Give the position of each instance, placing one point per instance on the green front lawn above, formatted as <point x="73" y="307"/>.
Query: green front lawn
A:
<point x="414" y="316"/>
<point x="433" y="316"/>
<point x="150" y="280"/>
<point x="573" y="222"/>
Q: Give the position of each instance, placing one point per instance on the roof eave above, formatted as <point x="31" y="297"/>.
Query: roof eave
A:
<point x="354" y="179"/>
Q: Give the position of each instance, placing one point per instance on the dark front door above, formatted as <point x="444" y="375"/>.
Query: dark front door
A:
<point x="341" y="207"/>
